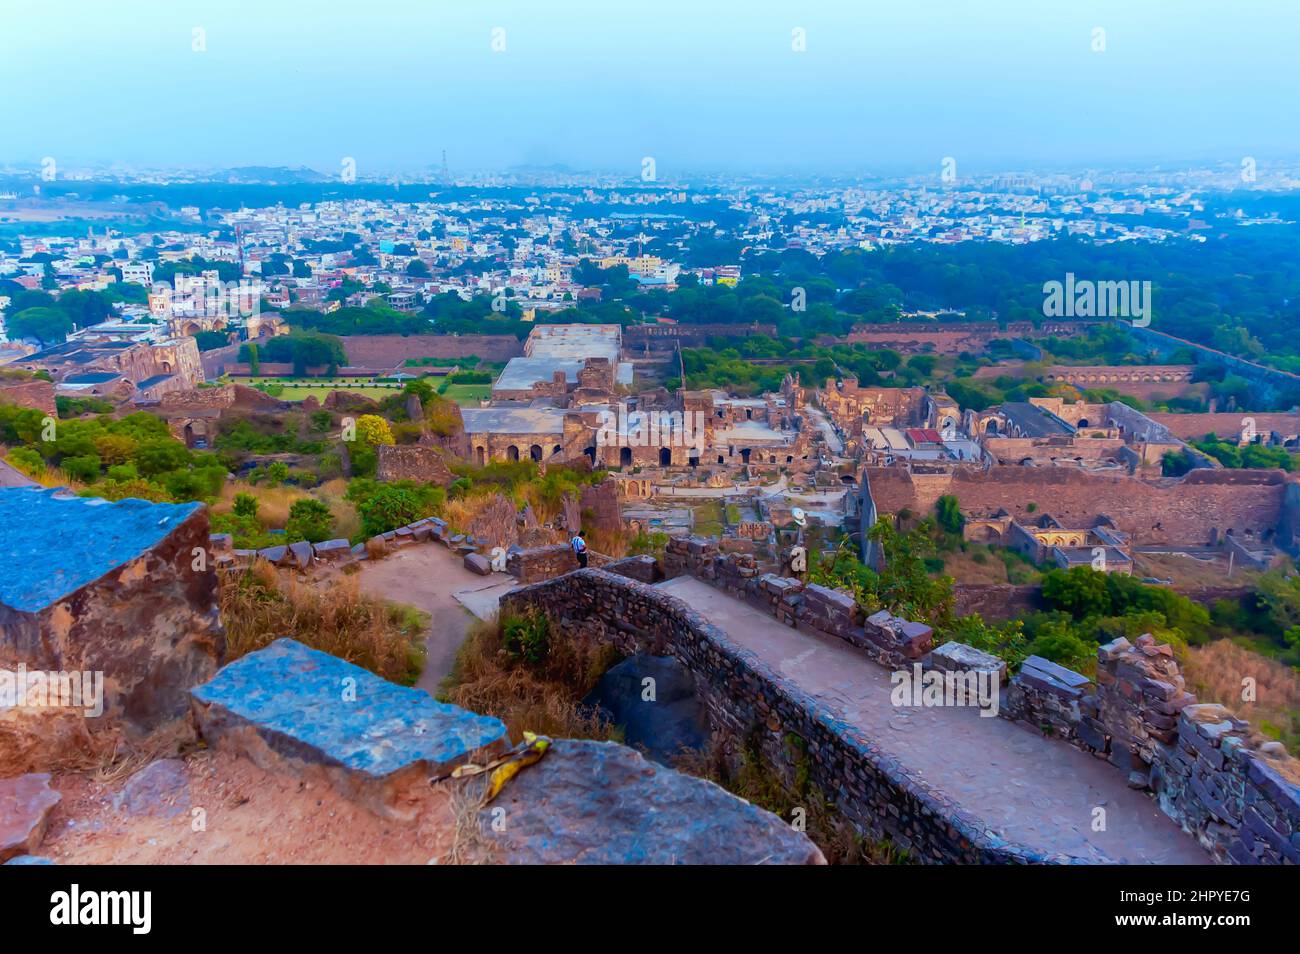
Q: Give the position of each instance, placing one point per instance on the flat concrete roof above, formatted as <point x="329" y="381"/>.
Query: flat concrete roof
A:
<point x="520" y="374"/>
<point x="575" y="341"/>
<point x="748" y="432"/>
<point x="513" y="420"/>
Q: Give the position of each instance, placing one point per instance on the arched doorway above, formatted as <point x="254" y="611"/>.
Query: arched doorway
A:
<point x="665" y="457"/>
<point x="480" y="455"/>
<point x="535" y="452"/>
<point x="625" y="457"/>
<point x="512" y="452"/>
<point x="591" y="453"/>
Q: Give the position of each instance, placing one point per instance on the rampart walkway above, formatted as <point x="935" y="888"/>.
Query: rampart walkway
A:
<point x="1024" y="787"/>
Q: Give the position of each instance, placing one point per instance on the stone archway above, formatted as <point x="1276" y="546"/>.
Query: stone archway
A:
<point x="512" y="452"/>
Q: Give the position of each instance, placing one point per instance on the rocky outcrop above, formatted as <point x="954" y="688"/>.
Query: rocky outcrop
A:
<point x="25" y="806"/>
<point x="112" y="603"/>
<point x="418" y="462"/>
<point x="600" y="803"/>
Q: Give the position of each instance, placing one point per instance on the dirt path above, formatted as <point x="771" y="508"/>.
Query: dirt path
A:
<point x="1026" y="788"/>
<point x="427" y="577"/>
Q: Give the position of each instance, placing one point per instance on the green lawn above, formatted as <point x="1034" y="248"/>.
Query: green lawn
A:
<point x="297" y="389"/>
<point x="468" y="395"/>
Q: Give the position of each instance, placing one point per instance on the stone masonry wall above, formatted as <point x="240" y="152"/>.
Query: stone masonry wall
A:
<point x="417" y="462"/>
<point x="746" y="698"/>
<point x="1236" y="792"/>
<point x="1154" y="512"/>
<point x="37" y="394"/>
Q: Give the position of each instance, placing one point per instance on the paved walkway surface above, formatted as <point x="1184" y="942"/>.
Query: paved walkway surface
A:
<point x="1026" y="788"/>
<point x="432" y="578"/>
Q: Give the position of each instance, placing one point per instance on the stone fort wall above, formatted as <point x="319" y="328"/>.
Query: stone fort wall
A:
<point x="745" y="697"/>
<point x="1187" y="511"/>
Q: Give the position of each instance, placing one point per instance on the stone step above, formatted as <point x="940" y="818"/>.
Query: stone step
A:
<point x="288" y="707"/>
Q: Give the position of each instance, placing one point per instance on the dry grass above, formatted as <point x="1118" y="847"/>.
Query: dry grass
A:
<point x="1216" y="673"/>
<point x="273" y="503"/>
<point x="347" y="522"/>
<point x="612" y="543"/>
<point x="469" y="845"/>
<point x="543" y="699"/>
<point x="460" y="513"/>
<point x="259" y="605"/>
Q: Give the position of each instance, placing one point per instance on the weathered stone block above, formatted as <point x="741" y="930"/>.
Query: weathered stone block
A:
<point x="290" y="707"/>
<point x="333" y="551"/>
<point x="109" y="588"/>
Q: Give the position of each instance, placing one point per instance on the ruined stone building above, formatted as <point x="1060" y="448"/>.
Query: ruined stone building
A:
<point x="567" y="398"/>
<point x="122" y="362"/>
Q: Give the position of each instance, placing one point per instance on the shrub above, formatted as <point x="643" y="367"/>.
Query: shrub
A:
<point x="526" y="637"/>
<point x="245" y="506"/>
<point x="390" y="507"/>
<point x="139" y="489"/>
<point x="373" y="430"/>
<point x="84" y="469"/>
<point x="309" y="520"/>
<point x="159" y="456"/>
<point x="116" y="448"/>
<point x="27" y="460"/>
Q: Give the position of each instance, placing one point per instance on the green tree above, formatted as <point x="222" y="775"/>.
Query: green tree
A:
<point x="948" y="513"/>
<point x="310" y="520"/>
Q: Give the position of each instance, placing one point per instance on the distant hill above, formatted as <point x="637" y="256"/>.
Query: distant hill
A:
<point x="271" y="175"/>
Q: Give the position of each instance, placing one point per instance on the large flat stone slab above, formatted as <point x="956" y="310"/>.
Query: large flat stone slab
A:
<point x="601" y="803"/>
<point x="288" y="707"/>
<point x="25" y="806"/>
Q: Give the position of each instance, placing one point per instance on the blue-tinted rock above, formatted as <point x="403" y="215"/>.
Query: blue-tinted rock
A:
<point x="600" y="803"/>
<point x="288" y="706"/>
<point x="29" y="860"/>
<point x="51" y="546"/>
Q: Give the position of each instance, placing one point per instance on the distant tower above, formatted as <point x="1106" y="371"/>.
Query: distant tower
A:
<point x="446" y="172"/>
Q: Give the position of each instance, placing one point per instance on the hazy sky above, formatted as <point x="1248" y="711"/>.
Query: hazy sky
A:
<point x="882" y="85"/>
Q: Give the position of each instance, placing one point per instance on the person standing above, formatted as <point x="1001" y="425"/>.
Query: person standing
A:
<point x="579" y="549"/>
